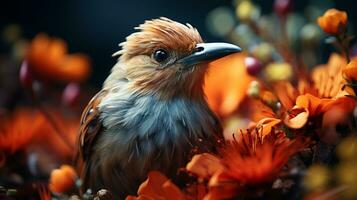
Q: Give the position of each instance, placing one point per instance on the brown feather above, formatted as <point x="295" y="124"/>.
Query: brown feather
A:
<point x="90" y="128"/>
<point x="159" y="33"/>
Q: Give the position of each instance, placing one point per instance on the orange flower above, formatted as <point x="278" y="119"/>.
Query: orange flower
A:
<point x="328" y="79"/>
<point x="63" y="179"/>
<point x="157" y="186"/>
<point x="26" y="128"/>
<point x="333" y="21"/>
<point x="249" y="160"/>
<point x="330" y="92"/>
<point x="253" y="159"/>
<point x="311" y="99"/>
<point x="350" y="71"/>
<point x="48" y="59"/>
<point x="60" y="143"/>
<point x="226" y="84"/>
<point x="204" y="165"/>
<point x="17" y="131"/>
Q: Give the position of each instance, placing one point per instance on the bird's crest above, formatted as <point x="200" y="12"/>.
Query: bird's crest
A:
<point x="159" y="33"/>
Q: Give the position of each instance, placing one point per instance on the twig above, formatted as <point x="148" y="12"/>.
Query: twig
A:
<point x="332" y="193"/>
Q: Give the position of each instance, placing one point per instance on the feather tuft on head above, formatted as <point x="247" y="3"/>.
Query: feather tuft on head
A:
<point x="159" y="33"/>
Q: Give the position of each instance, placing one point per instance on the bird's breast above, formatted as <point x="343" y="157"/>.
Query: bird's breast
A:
<point x="145" y="128"/>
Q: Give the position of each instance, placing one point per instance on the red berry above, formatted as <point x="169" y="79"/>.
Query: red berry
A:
<point x="283" y="7"/>
<point x="71" y="94"/>
<point x="253" y="65"/>
<point x="25" y="74"/>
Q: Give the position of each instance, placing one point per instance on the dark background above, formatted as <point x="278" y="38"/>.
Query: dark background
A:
<point x="97" y="27"/>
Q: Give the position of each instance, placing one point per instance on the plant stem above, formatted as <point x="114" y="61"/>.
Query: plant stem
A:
<point x="343" y="40"/>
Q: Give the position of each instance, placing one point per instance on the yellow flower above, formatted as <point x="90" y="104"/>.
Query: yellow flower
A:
<point x="333" y="21"/>
<point x="316" y="178"/>
<point x="347" y="175"/>
<point x="347" y="149"/>
<point x="278" y="71"/>
<point x="247" y="11"/>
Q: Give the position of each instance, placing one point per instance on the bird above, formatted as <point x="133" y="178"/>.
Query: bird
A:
<point x="151" y="113"/>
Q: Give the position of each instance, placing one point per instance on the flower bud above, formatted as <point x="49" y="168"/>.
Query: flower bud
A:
<point x="11" y="33"/>
<point x="333" y="21"/>
<point x="63" y="179"/>
<point x="25" y="74"/>
<point x="253" y="66"/>
<point x="310" y="34"/>
<point x="282" y="7"/>
<point x="346" y="174"/>
<point x="254" y="89"/>
<point x="347" y="149"/>
<point x="220" y="21"/>
<point x="263" y="52"/>
<point x="71" y="94"/>
<point x="246" y="11"/>
<point x="316" y="178"/>
<point x="278" y="71"/>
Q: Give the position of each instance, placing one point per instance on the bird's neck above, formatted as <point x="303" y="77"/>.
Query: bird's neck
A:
<point x="188" y="87"/>
<point x="162" y="85"/>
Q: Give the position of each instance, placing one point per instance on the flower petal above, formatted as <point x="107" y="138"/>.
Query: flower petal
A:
<point x="350" y="71"/>
<point x="158" y="186"/>
<point x="226" y="84"/>
<point x="267" y="124"/>
<point x="204" y="165"/>
<point x="299" y="119"/>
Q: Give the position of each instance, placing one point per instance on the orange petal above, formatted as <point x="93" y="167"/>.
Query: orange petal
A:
<point x="267" y="124"/>
<point x="226" y="84"/>
<point x="204" y="165"/>
<point x="257" y="110"/>
<point x="332" y="20"/>
<point x="172" y="191"/>
<point x="63" y="179"/>
<point x="327" y="78"/>
<point x="313" y="104"/>
<point x="157" y="186"/>
<point x="299" y="118"/>
<point x="75" y="68"/>
<point x="345" y="103"/>
<point x="20" y="129"/>
<point x="49" y="60"/>
<point x="350" y="71"/>
<point x="222" y="187"/>
<point x="286" y="93"/>
<point x="152" y="184"/>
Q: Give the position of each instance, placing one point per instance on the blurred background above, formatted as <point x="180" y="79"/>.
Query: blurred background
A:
<point x="97" y="27"/>
<point x="55" y="55"/>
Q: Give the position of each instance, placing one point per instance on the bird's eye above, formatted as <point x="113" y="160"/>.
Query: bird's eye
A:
<point x="160" y="55"/>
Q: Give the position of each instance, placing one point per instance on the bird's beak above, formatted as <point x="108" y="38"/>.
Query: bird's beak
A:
<point x="205" y="52"/>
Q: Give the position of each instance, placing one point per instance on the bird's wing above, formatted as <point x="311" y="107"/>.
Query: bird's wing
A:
<point x="90" y="127"/>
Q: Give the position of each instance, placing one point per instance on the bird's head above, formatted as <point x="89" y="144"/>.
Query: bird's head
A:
<point x="168" y="58"/>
